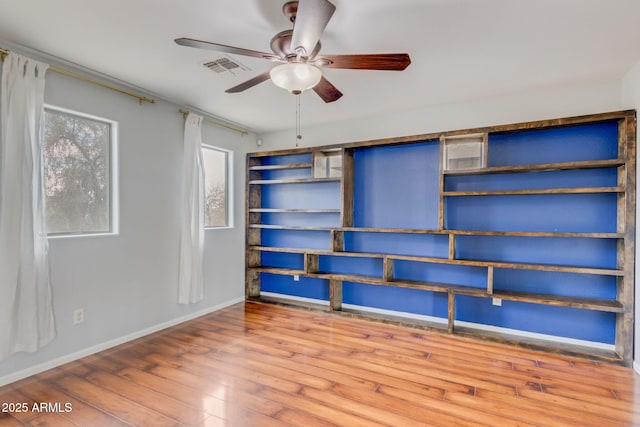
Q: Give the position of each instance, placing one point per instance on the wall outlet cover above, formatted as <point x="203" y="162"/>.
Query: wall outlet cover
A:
<point x="78" y="316"/>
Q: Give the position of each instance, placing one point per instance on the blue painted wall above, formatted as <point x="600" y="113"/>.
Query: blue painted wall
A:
<point x="322" y="195"/>
<point x="429" y="245"/>
<point x="397" y="299"/>
<point x="557" y="213"/>
<point x="574" y="143"/>
<point x="397" y="187"/>
<point x="306" y="287"/>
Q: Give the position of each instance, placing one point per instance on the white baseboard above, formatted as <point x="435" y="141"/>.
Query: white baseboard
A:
<point x="535" y="335"/>
<point x="478" y="326"/>
<point x="33" y="370"/>
<point x="636" y="366"/>
<point x="413" y="316"/>
<point x="295" y="298"/>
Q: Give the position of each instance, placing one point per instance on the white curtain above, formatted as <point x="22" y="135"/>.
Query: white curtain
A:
<point x="26" y="312"/>
<point x="190" y="285"/>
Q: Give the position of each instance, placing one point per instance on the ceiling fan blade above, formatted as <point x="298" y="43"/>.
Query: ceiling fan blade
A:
<point x="376" y="61"/>
<point x="327" y="91"/>
<point x="311" y="19"/>
<point x="249" y="83"/>
<point x="224" y="48"/>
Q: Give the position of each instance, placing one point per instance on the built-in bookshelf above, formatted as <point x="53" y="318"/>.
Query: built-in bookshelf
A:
<point x="535" y="247"/>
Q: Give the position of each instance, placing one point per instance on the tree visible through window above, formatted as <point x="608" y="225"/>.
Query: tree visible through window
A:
<point x="76" y="172"/>
<point x="216" y="189"/>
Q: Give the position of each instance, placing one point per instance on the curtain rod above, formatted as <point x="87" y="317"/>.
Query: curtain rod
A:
<point x="218" y="123"/>
<point x="140" y="98"/>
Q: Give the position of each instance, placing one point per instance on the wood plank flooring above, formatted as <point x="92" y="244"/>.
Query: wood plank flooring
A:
<point x="257" y="364"/>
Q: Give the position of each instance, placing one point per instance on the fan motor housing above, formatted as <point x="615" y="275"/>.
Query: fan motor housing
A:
<point x="281" y="45"/>
<point x="290" y="9"/>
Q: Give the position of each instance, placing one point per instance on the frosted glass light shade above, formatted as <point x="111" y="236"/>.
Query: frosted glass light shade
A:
<point x="295" y="77"/>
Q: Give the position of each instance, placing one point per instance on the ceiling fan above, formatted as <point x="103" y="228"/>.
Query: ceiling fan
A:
<point x="297" y="51"/>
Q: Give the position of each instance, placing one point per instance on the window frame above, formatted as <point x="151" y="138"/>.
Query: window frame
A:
<point x="228" y="186"/>
<point x="112" y="164"/>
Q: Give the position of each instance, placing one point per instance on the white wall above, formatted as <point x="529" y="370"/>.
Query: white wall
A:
<point x="127" y="284"/>
<point x="538" y="105"/>
<point x="631" y="99"/>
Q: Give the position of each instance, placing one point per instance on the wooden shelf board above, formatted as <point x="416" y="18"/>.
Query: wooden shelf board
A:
<point x="285" y="302"/>
<point x="283" y="250"/>
<point x="540" y="167"/>
<point x="409" y="284"/>
<point x="317" y="252"/>
<point x="290" y="227"/>
<point x="393" y="230"/>
<point x="437" y="287"/>
<point x="293" y="181"/>
<point x="270" y="210"/>
<point x="485" y="233"/>
<point x="509" y="265"/>
<point x="357" y="278"/>
<point x="596" y="304"/>
<point x="540" y="191"/>
<point x="277" y="270"/>
<point x="281" y="167"/>
<point x="538" y="234"/>
<point x="328" y="276"/>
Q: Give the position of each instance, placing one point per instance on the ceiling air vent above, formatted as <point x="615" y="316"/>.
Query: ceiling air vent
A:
<point x="225" y="65"/>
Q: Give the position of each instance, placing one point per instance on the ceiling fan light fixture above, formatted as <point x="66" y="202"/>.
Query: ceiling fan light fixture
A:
<point x="296" y="77"/>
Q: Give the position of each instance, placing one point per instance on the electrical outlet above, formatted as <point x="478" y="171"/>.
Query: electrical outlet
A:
<point x="296" y="278"/>
<point x="78" y="316"/>
<point x="496" y="302"/>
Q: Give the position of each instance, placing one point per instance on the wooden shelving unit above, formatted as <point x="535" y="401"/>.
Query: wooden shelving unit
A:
<point x="263" y="169"/>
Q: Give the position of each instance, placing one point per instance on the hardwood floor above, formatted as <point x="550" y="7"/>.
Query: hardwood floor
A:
<point x="264" y="365"/>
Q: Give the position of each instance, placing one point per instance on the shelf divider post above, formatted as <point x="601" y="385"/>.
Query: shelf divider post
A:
<point x="451" y="311"/>
<point x="388" y="269"/>
<point x="311" y="263"/>
<point x="335" y="295"/>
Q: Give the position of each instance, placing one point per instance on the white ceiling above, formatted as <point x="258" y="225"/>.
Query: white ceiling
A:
<point x="460" y="49"/>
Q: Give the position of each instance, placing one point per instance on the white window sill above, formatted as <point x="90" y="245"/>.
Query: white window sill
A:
<point x="228" y="227"/>
<point x="70" y="235"/>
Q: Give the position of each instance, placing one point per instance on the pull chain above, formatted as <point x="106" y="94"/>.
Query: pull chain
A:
<point x="298" y="134"/>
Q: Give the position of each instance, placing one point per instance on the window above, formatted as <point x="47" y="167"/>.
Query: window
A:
<point x="77" y="171"/>
<point x="217" y="194"/>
